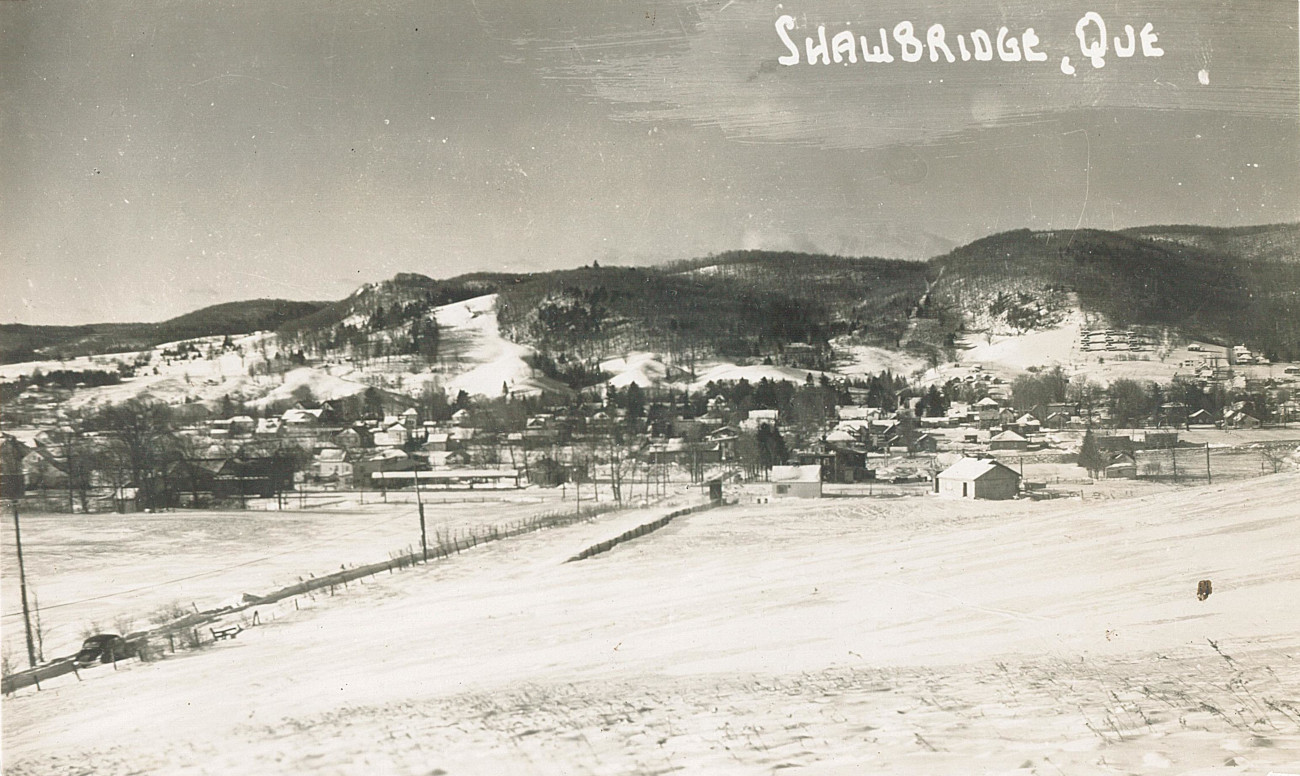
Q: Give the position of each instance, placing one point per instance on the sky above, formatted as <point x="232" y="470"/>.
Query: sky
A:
<point x="160" y="156"/>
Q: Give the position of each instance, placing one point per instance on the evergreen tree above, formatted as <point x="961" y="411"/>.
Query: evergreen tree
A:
<point x="634" y="402"/>
<point x="1090" y="455"/>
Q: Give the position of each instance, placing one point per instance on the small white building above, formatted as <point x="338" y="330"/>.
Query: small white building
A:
<point x="797" y="481"/>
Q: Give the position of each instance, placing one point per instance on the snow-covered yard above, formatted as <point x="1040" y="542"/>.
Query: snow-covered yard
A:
<point x="909" y="635"/>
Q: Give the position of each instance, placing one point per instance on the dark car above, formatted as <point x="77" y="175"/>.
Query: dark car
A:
<point x="102" y="648"/>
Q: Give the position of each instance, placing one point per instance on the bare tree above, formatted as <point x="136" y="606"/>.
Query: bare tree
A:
<point x="140" y="432"/>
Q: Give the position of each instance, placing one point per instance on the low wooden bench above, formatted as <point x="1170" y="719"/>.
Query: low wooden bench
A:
<point x="228" y="632"/>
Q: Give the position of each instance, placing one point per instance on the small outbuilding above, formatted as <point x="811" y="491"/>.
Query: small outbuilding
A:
<point x="796" y="481"/>
<point x="1121" y="466"/>
<point x="979" y="478"/>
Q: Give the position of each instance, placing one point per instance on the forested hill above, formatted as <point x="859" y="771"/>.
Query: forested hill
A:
<point x="737" y="304"/>
<point x="1220" y="285"/>
<point x="20" y="342"/>
<point x="387" y="304"/>
<point x="1227" y="285"/>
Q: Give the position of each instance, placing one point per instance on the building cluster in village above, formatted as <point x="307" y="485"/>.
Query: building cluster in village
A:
<point x="398" y="441"/>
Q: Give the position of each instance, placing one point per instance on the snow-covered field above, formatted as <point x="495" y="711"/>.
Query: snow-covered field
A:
<point x="117" y="570"/>
<point x="907" y="635"/>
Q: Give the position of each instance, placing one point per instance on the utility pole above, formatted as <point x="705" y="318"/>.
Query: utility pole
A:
<point x="1173" y="451"/>
<point x="1209" y="480"/>
<point x="424" y="537"/>
<point x="22" y="585"/>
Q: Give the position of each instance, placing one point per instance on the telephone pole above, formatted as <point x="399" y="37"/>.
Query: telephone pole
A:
<point x="424" y="537"/>
<point x="22" y="585"/>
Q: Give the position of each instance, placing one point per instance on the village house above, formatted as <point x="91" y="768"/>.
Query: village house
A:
<point x="354" y="437"/>
<point x="959" y="412"/>
<point x="388" y="460"/>
<point x="437" y="442"/>
<point x="850" y="412"/>
<point x="1057" y="420"/>
<point x="394" y="435"/>
<point x="331" y="464"/>
<point x="982" y="478"/>
<point x="925" y="443"/>
<point x="1009" y="441"/>
<point x="1121" y="466"/>
<point x="757" y="418"/>
<point x="987" y="412"/>
<point x="725" y="440"/>
<point x="1027" y="424"/>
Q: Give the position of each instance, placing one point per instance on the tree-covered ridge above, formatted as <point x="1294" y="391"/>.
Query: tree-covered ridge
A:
<point x="1132" y="281"/>
<point x="755" y="304"/>
<point x="19" y="342"/>
<point x="1227" y="285"/>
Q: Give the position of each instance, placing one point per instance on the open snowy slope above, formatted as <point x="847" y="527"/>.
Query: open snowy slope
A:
<point x="913" y="635"/>
<point x="485" y="360"/>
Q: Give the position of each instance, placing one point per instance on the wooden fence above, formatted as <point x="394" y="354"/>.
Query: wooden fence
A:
<point x="443" y="546"/>
<point x="639" y="531"/>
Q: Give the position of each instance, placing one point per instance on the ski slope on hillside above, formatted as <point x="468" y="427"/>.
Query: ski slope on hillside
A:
<point x="902" y="636"/>
<point x="485" y="361"/>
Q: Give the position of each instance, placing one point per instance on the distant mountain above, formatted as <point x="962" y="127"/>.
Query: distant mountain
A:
<point x="20" y="342"/>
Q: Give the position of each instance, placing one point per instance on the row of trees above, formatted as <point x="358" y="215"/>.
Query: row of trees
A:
<point x="136" y="444"/>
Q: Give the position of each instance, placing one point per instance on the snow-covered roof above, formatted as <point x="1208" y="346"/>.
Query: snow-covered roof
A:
<point x="987" y="401"/>
<point x="389" y="454"/>
<point x="1026" y="419"/>
<point x="809" y="473"/>
<point x="1008" y="436"/>
<point x="973" y="469"/>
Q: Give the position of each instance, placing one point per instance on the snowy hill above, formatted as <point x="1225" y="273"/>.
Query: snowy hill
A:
<point x="928" y="636"/>
<point x="1014" y="301"/>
